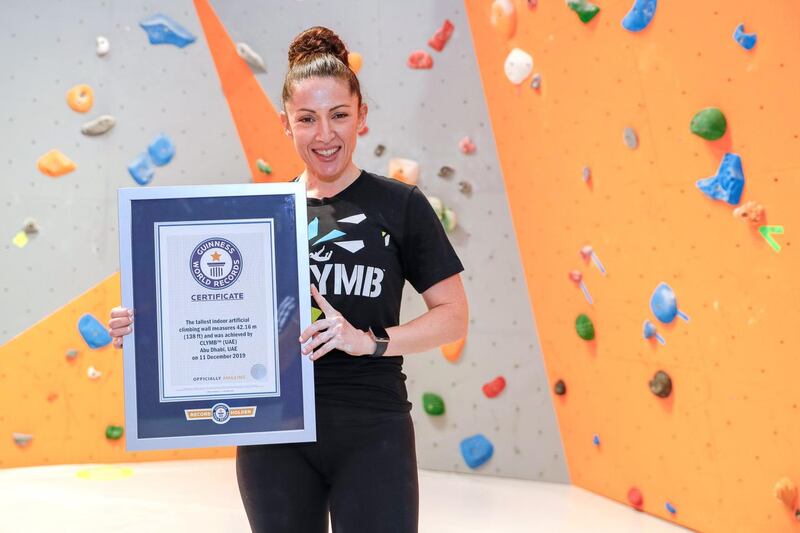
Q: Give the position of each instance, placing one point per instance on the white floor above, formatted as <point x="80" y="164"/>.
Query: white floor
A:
<point x="202" y="496"/>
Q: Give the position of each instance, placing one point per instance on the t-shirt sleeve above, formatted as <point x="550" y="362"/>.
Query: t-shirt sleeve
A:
<point x="428" y="256"/>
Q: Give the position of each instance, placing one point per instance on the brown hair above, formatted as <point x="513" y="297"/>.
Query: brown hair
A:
<point x="319" y="52"/>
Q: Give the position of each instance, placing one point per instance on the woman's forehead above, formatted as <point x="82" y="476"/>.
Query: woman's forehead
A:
<point x="320" y="94"/>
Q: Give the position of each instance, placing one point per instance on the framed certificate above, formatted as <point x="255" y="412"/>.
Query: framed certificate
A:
<point x="218" y="280"/>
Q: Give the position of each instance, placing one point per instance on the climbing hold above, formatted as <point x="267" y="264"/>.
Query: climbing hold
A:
<point x="114" y="432"/>
<point x="560" y="388"/>
<point x="728" y="182"/>
<point x="494" y="387"/>
<point x="650" y="331"/>
<point x="98" y="126"/>
<point x="587" y="252"/>
<point x="786" y="491"/>
<point x="584" y="327"/>
<point x="141" y="169"/>
<point x="635" y="497"/>
<point x="596" y="440"/>
<point x="587" y="174"/>
<point x="263" y="166"/>
<point x="72" y="353"/>
<point x="466" y="146"/>
<point x="746" y="40"/>
<point x="671" y="508"/>
<point x="250" y="57"/>
<point x="363" y="131"/>
<point x="709" y="123"/>
<point x="465" y="187"/>
<point x="661" y="384"/>
<point x="30" y="227"/>
<point x="80" y="98"/>
<point x="93" y="373"/>
<point x="751" y="211"/>
<point x="379" y="150"/>
<point x="437" y="205"/>
<point x="103" y="46"/>
<point x="20" y="240"/>
<point x="577" y="277"/>
<point x="532" y="4"/>
<point x="420" y="59"/>
<point x="518" y="66"/>
<point x="503" y="18"/>
<point x="630" y="138"/>
<point x="354" y="61"/>
<point x="476" y="450"/>
<point x="452" y="351"/>
<point x="161" y="150"/>
<point x="767" y="232"/>
<point x="449" y="219"/>
<point x="797" y="515"/>
<point x="52" y="397"/>
<point x="536" y="81"/>
<point x="433" y="404"/>
<point x="163" y="30"/>
<point x="93" y="332"/>
<point x="441" y="36"/>
<point x="446" y="172"/>
<point x="405" y="170"/>
<point x="22" y="439"/>
<point x="640" y="15"/>
<point x="586" y="10"/>
<point x="54" y="164"/>
<point x="664" y="305"/>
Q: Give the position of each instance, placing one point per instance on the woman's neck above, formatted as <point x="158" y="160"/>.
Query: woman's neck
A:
<point x="317" y="187"/>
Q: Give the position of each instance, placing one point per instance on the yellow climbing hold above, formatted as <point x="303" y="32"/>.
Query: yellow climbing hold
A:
<point x="105" y="473"/>
<point x="20" y="239"/>
<point x="55" y="164"/>
<point x="355" y="60"/>
<point x="80" y="98"/>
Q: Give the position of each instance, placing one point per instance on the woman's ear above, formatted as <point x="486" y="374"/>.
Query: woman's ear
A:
<point x="285" y="121"/>
<point x="362" y="116"/>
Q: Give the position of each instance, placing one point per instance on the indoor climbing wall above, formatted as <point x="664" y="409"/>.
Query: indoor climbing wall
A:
<point x="647" y="153"/>
<point x="487" y="407"/>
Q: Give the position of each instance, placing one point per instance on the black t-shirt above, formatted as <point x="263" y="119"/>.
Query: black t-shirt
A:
<point x="364" y="242"/>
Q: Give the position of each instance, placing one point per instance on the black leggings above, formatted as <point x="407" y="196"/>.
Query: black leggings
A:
<point x="365" y="473"/>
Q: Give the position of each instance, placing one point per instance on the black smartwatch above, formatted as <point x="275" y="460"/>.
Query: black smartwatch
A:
<point x="381" y="339"/>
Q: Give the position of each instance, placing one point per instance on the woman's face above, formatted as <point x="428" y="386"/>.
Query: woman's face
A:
<point x="323" y="119"/>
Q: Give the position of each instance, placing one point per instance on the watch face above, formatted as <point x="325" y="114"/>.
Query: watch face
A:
<point x="380" y="334"/>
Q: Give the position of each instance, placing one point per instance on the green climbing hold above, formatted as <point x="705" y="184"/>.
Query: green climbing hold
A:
<point x="433" y="403"/>
<point x="709" y="123"/>
<point x="263" y="166"/>
<point x="584" y="327"/>
<point x="585" y="9"/>
<point x="114" y="432"/>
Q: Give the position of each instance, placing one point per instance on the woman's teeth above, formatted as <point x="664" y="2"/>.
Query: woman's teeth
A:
<point x="327" y="153"/>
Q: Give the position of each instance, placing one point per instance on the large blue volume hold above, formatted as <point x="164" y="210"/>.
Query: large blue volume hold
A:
<point x="728" y="183"/>
<point x="163" y="30"/>
<point x="476" y="450"/>
<point x="640" y="15"/>
<point x="93" y="332"/>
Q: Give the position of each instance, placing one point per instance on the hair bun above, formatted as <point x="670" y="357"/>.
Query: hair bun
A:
<point x="316" y="41"/>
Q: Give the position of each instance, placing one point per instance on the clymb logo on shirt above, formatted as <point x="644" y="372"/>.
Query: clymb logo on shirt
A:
<point x="342" y="278"/>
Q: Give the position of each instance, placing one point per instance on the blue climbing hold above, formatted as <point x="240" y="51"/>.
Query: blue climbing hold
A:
<point x="671" y="508"/>
<point x="161" y="150"/>
<point x="664" y="304"/>
<point x="163" y="30"/>
<point x="650" y="331"/>
<point x="640" y="15"/>
<point x="476" y="450"/>
<point x="142" y="170"/>
<point x="93" y="332"/>
<point x="728" y="183"/>
<point x="596" y="440"/>
<point x="746" y="40"/>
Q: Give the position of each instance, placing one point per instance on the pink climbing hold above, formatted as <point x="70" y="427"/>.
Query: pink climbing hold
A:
<point x="420" y="59"/>
<point x="466" y="146"/>
<point x="494" y="387"/>
<point x="441" y="36"/>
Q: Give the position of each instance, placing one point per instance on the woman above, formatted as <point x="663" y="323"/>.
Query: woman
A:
<point x="368" y="234"/>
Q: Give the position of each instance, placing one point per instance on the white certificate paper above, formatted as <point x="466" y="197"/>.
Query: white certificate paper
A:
<point x="217" y="322"/>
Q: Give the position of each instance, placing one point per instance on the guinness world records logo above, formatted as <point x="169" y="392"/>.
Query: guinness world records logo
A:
<point x="215" y="263"/>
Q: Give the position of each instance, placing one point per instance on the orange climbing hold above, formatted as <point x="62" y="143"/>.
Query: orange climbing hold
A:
<point x="355" y="61"/>
<point x="786" y="491"/>
<point x="452" y="351"/>
<point x="405" y="170"/>
<point x="504" y="18"/>
<point x="55" y="164"/>
<point x="80" y="98"/>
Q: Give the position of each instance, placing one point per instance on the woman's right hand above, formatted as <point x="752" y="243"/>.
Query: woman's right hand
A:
<point x="120" y="324"/>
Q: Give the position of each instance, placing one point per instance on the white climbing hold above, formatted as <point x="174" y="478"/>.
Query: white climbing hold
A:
<point x="99" y="126"/>
<point x="250" y="57"/>
<point x="93" y="373"/>
<point x="518" y="66"/>
<point x="103" y="46"/>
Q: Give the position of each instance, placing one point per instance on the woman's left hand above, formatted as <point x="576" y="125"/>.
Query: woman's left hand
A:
<point x="334" y="332"/>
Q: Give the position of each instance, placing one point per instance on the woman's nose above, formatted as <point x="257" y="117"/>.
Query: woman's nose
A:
<point x="324" y="131"/>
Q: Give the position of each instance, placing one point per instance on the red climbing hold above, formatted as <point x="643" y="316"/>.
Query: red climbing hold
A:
<point x="441" y="36"/>
<point x="635" y="497"/>
<point x="494" y="387"/>
<point x="420" y="60"/>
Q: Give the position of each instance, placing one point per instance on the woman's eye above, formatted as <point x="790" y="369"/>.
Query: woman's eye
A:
<point x="340" y="115"/>
<point x="305" y="119"/>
